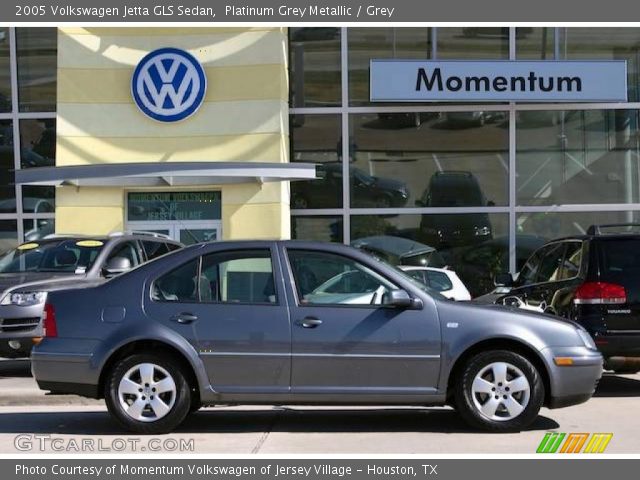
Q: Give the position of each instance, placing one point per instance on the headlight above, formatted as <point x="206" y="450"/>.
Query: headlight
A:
<point x="587" y="340"/>
<point x="482" y="231"/>
<point x="24" y="299"/>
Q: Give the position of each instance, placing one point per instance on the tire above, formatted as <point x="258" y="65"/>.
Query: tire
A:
<point x="626" y="370"/>
<point x="173" y="405"/>
<point x="469" y="398"/>
<point x="383" y="201"/>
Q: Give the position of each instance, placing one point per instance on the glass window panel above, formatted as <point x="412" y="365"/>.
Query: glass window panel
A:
<point x="5" y="71"/>
<point x="475" y="246"/>
<point x="38" y="143"/>
<point x="317" y="228"/>
<point x="36" y="229"/>
<point x="7" y="166"/>
<point x="237" y="277"/>
<point x="38" y="199"/>
<point x="37" y="64"/>
<point x="473" y="43"/>
<point x="583" y="156"/>
<point x="453" y="159"/>
<point x="552" y="225"/>
<point x="326" y="279"/>
<point x="8" y="235"/>
<point x="316" y="139"/>
<point x="534" y="43"/>
<point x="314" y="59"/>
<point x="366" y="44"/>
<point x="613" y="43"/>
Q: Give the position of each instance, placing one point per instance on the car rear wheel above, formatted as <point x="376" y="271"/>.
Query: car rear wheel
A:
<point x="499" y="391"/>
<point x="148" y="394"/>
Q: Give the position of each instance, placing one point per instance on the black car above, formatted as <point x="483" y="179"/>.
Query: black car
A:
<point x="366" y="190"/>
<point x="593" y="279"/>
<point x="454" y="189"/>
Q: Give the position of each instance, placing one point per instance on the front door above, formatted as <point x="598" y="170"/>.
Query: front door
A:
<point x="345" y="341"/>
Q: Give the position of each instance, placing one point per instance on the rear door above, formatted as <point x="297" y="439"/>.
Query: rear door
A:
<point x="619" y="261"/>
<point x="229" y="305"/>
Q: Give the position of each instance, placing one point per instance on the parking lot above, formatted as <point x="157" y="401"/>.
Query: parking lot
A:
<point x="303" y="430"/>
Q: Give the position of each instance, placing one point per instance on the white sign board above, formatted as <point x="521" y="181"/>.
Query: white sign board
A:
<point x="497" y="81"/>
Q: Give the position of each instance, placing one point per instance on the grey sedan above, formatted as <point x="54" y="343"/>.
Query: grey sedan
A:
<point x="266" y="322"/>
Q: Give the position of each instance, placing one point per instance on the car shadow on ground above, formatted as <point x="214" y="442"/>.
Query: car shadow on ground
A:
<point x="279" y="419"/>
<point x="612" y="385"/>
<point x="17" y="368"/>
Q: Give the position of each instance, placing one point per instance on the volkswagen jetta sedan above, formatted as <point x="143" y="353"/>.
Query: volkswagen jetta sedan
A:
<point x="246" y="323"/>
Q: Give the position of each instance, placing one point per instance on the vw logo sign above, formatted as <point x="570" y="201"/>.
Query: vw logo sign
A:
<point x="168" y="85"/>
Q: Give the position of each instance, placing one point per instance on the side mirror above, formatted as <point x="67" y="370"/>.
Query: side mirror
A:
<point x="400" y="299"/>
<point x="503" y="280"/>
<point x="116" y="266"/>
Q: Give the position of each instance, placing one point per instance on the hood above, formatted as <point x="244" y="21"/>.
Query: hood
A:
<point x="389" y="184"/>
<point x="42" y="281"/>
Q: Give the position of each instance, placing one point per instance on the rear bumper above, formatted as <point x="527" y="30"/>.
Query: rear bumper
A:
<point x="576" y="383"/>
<point x="619" y="344"/>
<point x="61" y="372"/>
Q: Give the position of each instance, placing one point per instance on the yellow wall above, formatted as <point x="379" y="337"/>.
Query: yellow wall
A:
<point x="244" y="117"/>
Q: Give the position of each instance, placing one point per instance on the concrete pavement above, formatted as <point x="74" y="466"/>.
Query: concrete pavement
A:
<point x="301" y="430"/>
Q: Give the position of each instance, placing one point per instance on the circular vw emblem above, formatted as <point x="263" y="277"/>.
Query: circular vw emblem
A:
<point x="168" y="85"/>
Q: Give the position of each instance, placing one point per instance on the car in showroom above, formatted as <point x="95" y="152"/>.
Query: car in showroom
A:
<point x="592" y="279"/>
<point x="367" y="190"/>
<point x="243" y="322"/>
<point x="32" y="270"/>
<point x="442" y="280"/>
<point x="449" y="188"/>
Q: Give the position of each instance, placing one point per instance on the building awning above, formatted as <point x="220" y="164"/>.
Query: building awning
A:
<point x="165" y="174"/>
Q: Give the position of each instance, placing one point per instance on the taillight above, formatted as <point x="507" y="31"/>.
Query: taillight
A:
<point x="49" y="321"/>
<point x="600" y="293"/>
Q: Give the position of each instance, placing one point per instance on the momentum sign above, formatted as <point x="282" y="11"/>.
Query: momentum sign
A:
<point x="496" y="81"/>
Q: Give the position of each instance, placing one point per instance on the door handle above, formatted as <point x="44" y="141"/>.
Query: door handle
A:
<point x="309" y="322"/>
<point x="184" y="318"/>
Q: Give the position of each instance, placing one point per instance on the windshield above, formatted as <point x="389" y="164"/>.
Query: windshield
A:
<point x="66" y="256"/>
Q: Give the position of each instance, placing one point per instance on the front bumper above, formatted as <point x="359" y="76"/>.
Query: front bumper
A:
<point x="19" y="325"/>
<point x="575" y="383"/>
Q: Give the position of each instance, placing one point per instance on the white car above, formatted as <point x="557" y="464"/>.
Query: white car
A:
<point x="444" y="281"/>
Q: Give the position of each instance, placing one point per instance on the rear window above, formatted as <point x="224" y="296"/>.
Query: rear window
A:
<point x="620" y="257"/>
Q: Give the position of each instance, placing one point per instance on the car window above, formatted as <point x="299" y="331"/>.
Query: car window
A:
<point x="154" y="249"/>
<point x="417" y="275"/>
<point x="439" y="281"/>
<point x="572" y="261"/>
<point x="551" y="264"/>
<point x="530" y="270"/>
<point x="179" y="285"/>
<point x="172" y="247"/>
<point x="127" y="250"/>
<point x="237" y="277"/>
<point x="323" y="278"/>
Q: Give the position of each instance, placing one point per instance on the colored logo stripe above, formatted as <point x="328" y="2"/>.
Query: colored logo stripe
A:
<point x="574" y="443"/>
<point x="550" y="443"/>
<point x="598" y="442"/>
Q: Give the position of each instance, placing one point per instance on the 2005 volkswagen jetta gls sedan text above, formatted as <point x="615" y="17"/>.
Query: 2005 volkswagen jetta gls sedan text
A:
<point x="288" y="322"/>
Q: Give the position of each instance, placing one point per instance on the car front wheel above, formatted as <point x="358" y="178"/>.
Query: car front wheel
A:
<point x="499" y="391"/>
<point x="148" y="394"/>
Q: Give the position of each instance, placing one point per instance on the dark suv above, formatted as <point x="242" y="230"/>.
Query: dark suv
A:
<point x="32" y="270"/>
<point x="593" y="279"/>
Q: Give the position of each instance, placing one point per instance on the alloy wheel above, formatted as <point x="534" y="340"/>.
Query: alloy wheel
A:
<point x="500" y="391"/>
<point x="147" y="392"/>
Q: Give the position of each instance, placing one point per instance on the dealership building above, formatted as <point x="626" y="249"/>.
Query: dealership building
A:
<point x="235" y="133"/>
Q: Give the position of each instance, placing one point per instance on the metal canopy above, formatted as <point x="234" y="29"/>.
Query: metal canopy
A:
<point x="165" y="174"/>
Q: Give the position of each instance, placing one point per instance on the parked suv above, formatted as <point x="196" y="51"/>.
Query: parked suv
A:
<point x="32" y="270"/>
<point x="593" y="279"/>
<point x="302" y="323"/>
